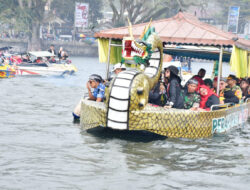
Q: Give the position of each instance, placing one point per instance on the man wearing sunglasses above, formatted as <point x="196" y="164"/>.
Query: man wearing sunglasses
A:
<point x="95" y="82"/>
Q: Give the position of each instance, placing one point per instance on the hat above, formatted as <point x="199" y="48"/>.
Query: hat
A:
<point x="118" y="66"/>
<point x="232" y="77"/>
<point x="193" y="81"/>
<point x="173" y="69"/>
<point x="95" y="77"/>
<point x="223" y="79"/>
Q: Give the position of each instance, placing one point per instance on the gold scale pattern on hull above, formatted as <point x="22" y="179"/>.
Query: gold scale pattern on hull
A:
<point x="171" y="123"/>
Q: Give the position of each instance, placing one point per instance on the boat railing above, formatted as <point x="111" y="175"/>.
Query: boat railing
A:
<point x="221" y="106"/>
<point x="247" y="100"/>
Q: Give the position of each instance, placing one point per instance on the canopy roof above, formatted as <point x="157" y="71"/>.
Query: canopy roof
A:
<point x="41" y="53"/>
<point x="184" y="29"/>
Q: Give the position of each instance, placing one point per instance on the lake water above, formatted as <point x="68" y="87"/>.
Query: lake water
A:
<point x="40" y="147"/>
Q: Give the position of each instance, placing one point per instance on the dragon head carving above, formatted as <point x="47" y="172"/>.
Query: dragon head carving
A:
<point x="137" y="51"/>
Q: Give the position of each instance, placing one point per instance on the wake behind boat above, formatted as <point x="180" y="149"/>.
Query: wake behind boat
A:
<point x="39" y="65"/>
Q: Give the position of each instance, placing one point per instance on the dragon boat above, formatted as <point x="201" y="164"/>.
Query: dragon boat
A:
<point x="7" y="71"/>
<point x="126" y="107"/>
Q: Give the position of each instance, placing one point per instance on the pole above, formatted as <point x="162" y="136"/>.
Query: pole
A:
<point x="107" y="66"/>
<point x="248" y="62"/>
<point x="220" y="70"/>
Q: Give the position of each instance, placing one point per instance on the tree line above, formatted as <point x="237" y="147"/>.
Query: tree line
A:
<point x="29" y="15"/>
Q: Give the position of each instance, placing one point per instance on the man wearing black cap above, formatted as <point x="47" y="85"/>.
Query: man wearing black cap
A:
<point x="95" y="81"/>
<point x="232" y="80"/>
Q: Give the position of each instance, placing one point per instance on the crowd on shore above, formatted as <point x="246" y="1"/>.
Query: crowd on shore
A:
<point x="196" y="95"/>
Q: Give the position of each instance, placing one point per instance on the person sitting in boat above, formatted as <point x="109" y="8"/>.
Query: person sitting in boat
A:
<point x="208" y="98"/>
<point x="119" y="67"/>
<point x="175" y="99"/>
<point x="52" y="59"/>
<point x="232" y="80"/>
<point x="95" y="82"/>
<point x="214" y="87"/>
<point x="199" y="77"/>
<point x="52" y="49"/>
<point x="244" y="85"/>
<point x="209" y="83"/>
<point x="26" y="59"/>
<point x="158" y="95"/>
<point x="191" y="97"/>
<point x="62" y="55"/>
<point x="38" y="60"/>
<point x="226" y="95"/>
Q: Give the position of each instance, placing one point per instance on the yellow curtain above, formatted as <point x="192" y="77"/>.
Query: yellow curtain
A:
<point x="115" y="52"/>
<point x="238" y="62"/>
<point x="248" y="72"/>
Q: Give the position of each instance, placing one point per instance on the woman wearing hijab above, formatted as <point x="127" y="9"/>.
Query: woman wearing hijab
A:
<point x="208" y="97"/>
<point x="175" y="98"/>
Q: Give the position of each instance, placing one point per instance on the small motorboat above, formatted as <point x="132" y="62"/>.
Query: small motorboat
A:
<point x="40" y="66"/>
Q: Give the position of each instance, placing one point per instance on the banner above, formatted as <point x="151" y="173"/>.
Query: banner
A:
<point x="81" y="15"/>
<point x="233" y="17"/>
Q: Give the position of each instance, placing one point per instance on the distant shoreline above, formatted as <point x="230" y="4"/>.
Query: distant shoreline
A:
<point x="73" y="48"/>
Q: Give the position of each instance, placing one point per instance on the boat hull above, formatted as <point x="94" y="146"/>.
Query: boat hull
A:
<point x="51" y="70"/>
<point x="7" y="71"/>
<point x="170" y="122"/>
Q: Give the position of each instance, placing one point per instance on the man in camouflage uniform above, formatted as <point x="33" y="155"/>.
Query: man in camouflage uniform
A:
<point x="232" y="80"/>
<point x="191" y="97"/>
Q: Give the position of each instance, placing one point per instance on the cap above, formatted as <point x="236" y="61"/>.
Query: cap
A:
<point x="95" y="77"/>
<point x="232" y="77"/>
<point x="193" y="81"/>
<point x="118" y="66"/>
<point x="223" y="79"/>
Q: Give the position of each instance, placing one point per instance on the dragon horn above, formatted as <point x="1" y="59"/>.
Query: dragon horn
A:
<point x="130" y="29"/>
<point x="146" y="29"/>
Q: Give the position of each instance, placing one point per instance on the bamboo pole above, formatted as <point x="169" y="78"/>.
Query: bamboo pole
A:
<point x="220" y="70"/>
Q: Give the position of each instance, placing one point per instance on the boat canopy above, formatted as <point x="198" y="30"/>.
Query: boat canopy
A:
<point x="198" y="52"/>
<point x="183" y="30"/>
<point x="41" y="53"/>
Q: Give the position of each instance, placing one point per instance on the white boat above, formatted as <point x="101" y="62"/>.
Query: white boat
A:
<point x="44" y="67"/>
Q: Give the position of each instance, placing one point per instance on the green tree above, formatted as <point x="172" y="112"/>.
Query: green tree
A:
<point x="143" y="10"/>
<point x="244" y="16"/>
<point x="27" y="15"/>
